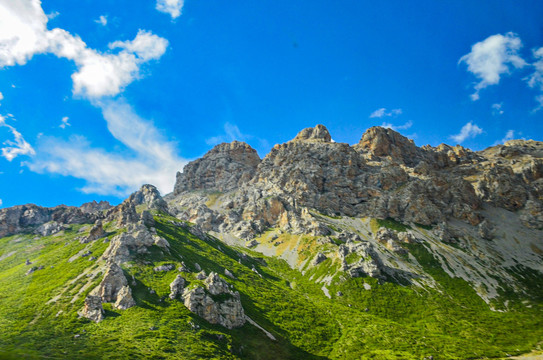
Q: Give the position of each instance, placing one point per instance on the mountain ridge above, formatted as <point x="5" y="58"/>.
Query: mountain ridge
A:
<point x="343" y="222"/>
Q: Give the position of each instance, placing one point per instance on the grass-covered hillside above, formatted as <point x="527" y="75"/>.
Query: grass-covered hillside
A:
<point x="370" y="319"/>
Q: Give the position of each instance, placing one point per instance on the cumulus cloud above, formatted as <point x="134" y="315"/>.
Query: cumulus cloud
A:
<point x="64" y="122"/>
<point x="405" y="126"/>
<point x="1" y="96"/>
<point x="469" y="130"/>
<point x="497" y="109"/>
<point x="150" y="158"/>
<point x="491" y="58"/>
<point x="382" y="112"/>
<point x="24" y="33"/>
<point x="172" y="7"/>
<point x="102" y="20"/>
<point x="17" y="146"/>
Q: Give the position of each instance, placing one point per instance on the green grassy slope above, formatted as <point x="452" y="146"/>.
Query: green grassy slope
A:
<point x="390" y="321"/>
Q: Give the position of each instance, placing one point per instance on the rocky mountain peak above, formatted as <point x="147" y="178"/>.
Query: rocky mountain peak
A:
<point x="383" y="142"/>
<point x="318" y="133"/>
<point x="223" y="168"/>
<point x="148" y="195"/>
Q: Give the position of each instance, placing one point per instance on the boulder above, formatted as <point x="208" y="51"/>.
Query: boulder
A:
<point x="225" y="310"/>
<point x="176" y="287"/>
<point x="93" y="309"/>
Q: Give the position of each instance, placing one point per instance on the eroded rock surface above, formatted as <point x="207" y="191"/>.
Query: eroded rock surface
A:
<point x="215" y="302"/>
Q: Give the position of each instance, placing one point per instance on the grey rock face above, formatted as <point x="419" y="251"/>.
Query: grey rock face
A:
<point x="164" y="268"/>
<point x="176" y="287"/>
<point x="96" y="232"/>
<point x="93" y="309"/>
<point x="112" y="283"/>
<point x="318" y="134"/>
<point x="223" y="168"/>
<point x="368" y="263"/>
<point x="124" y="298"/>
<point x="26" y="218"/>
<point x="149" y="196"/>
<point x="93" y="206"/>
<point x="49" y="228"/>
<point x="227" y="311"/>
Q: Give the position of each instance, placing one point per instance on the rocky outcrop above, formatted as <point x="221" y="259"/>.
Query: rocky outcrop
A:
<point x="27" y="218"/>
<point x="177" y="287"/>
<point x="94" y="207"/>
<point x="378" y="142"/>
<point x="48" y="228"/>
<point x="93" y="309"/>
<point x="223" y="168"/>
<point x="124" y="299"/>
<point x="215" y="302"/>
<point x="96" y="232"/>
<point x="136" y="240"/>
<point x="365" y="261"/>
<point x="149" y="196"/>
<point x="114" y="288"/>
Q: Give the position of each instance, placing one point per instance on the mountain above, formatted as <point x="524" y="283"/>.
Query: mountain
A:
<point x="320" y="250"/>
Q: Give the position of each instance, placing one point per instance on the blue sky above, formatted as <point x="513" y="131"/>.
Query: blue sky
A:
<point x="101" y="96"/>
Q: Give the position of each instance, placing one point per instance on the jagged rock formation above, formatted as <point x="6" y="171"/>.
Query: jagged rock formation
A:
<point x="224" y="168"/>
<point x="176" y="287"/>
<point x="216" y="302"/>
<point x="383" y="176"/>
<point x="26" y="218"/>
<point x="93" y="309"/>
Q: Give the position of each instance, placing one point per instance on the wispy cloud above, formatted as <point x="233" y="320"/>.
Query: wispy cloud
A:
<point x="150" y="157"/>
<point x="382" y="112"/>
<point x="1" y="96"/>
<point x="171" y="7"/>
<point x="231" y="133"/>
<point x="102" y="20"/>
<point x="510" y="135"/>
<point x="17" y="146"/>
<point x="64" y="122"/>
<point x="491" y="58"/>
<point x="497" y="109"/>
<point x="535" y="80"/>
<point x="405" y="126"/>
<point x="469" y="130"/>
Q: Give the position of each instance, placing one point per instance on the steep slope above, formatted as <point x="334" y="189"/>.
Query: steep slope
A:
<point x="319" y="250"/>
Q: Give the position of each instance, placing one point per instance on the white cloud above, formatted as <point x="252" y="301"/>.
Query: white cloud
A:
<point x="405" y="126"/>
<point x="64" y="122"/>
<point x="510" y="135"/>
<point x="172" y="7"/>
<point x="231" y="133"/>
<point x="497" y="109"/>
<point x="52" y="15"/>
<point x="468" y="131"/>
<point x="150" y="157"/>
<point x="1" y="96"/>
<point x="102" y="20"/>
<point x="491" y="58"/>
<point x="18" y="146"/>
<point x="0" y="202"/>
<point x="382" y="112"/>
<point x="535" y="80"/>
<point x="24" y="33"/>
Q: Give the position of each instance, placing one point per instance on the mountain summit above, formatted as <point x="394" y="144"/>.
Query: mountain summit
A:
<point x="321" y="249"/>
